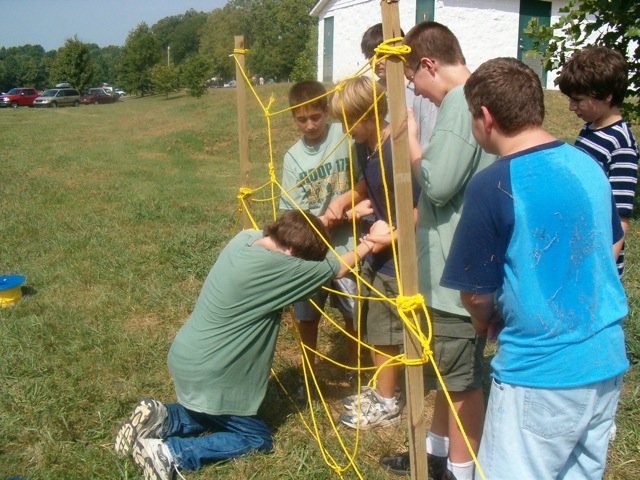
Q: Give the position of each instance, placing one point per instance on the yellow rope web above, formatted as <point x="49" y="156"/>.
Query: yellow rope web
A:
<point x="409" y="308"/>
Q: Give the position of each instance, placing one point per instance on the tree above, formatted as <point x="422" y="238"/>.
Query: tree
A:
<point x="194" y="73"/>
<point x="106" y="60"/>
<point x="613" y="24"/>
<point x="305" y="67"/>
<point x="73" y="64"/>
<point x="141" y="51"/>
<point x="164" y="78"/>
<point x="278" y="33"/>
<point x="181" y="33"/>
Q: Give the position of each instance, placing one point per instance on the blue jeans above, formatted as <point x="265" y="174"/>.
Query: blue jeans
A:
<point x="540" y="433"/>
<point x="227" y="436"/>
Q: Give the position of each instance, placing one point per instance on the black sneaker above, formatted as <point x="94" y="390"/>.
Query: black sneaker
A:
<point x="399" y="464"/>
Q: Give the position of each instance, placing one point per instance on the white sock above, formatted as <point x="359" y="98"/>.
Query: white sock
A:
<point x="389" y="402"/>
<point x="462" y="471"/>
<point x="437" y="445"/>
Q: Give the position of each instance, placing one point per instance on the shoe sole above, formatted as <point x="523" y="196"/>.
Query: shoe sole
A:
<point x="142" y="460"/>
<point x="127" y="434"/>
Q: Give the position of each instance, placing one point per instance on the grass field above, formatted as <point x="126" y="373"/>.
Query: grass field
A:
<point x="115" y="214"/>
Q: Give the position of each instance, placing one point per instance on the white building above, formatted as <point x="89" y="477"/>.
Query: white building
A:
<point x="485" y="28"/>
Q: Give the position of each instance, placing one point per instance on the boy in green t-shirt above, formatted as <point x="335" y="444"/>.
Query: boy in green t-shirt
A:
<point x="220" y="359"/>
<point x="316" y="170"/>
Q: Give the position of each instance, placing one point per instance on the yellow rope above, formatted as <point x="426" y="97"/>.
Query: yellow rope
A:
<point x="410" y="308"/>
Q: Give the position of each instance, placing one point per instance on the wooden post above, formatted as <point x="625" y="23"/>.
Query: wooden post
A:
<point x="408" y="274"/>
<point x="243" y="129"/>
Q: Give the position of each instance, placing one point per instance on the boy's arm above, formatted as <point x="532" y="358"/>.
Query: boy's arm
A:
<point x="350" y="258"/>
<point x="617" y="247"/>
<point x="481" y="308"/>
<point x="336" y="209"/>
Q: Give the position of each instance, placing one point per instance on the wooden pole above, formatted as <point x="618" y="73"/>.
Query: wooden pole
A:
<point x="243" y="129"/>
<point x="408" y="274"/>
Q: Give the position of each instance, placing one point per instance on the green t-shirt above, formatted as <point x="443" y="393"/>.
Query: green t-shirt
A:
<point x="451" y="159"/>
<point x="315" y="175"/>
<point x="221" y="357"/>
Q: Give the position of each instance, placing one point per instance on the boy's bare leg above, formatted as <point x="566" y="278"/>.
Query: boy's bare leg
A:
<point x="470" y="408"/>
<point x="309" y="336"/>
<point x="388" y="376"/>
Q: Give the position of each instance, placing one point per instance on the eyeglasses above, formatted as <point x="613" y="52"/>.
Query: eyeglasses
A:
<point x="410" y="84"/>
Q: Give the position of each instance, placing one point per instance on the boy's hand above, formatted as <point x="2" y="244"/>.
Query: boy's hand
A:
<point x="379" y="235"/>
<point x="362" y="209"/>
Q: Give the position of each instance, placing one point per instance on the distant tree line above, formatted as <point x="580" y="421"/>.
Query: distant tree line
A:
<point x="182" y="51"/>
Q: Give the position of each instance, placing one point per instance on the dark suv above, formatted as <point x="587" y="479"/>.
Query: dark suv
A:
<point x="19" y="97"/>
<point x="58" y="97"/>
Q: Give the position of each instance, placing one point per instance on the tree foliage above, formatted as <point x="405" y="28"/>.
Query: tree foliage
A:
<point x="280" y="36"/>
<point x="194" y="72"/>
<point x="164" y="79"/>
<point x="141" y="52"/>
<point x="73" y="64"/>
<point x="609" y="23"/>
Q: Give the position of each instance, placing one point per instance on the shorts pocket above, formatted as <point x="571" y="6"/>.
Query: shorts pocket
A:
<point x="553" y="413"/>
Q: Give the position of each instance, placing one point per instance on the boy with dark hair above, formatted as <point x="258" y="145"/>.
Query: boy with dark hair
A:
<point x="422" y="109"/>
<point x="221" y="357"/>
<point x="316" y="170"/>
<point x="595" y="80"/>
<point x="542" y="222"/>
<point x="437" y="69"/>
<point x="382" y="324"/>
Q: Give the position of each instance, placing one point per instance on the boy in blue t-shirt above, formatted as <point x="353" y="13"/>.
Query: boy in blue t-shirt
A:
<point x="533" y="253"/>
<point x="595" y="80"/>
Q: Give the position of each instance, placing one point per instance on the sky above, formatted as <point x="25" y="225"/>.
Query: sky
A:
<point x="105" y="22"/>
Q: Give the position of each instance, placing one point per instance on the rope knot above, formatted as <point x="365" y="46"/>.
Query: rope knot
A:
<point x="409" y="304"/>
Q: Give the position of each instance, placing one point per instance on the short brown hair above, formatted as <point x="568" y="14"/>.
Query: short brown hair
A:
<point x="373" y="37"/>
<point x="596" y="72"/>
<point x="436" y="41"/>
<point x="292" y="230"/>
<point x="510" y="90"/>
<point x="307" y="90"/>
<point x="357" y="96"/>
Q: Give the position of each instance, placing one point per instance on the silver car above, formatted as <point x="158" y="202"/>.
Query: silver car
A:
<point x="58" y="97"/>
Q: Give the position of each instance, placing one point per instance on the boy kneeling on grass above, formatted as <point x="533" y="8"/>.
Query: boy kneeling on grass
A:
<point x="221" y="357"/>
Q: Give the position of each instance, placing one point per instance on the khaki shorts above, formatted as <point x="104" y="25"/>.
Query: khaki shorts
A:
<point x="458" y="352"/>
<point x="381" y="323"/>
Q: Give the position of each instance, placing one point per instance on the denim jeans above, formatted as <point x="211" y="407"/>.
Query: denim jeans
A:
<point x="196" y="438"/>
<point x="541" y="433"/>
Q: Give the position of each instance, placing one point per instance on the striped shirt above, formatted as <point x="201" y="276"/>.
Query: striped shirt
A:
<point x="615" y="149"/>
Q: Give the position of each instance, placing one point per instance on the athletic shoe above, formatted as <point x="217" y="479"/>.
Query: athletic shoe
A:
<point x="366" y="393"/>
<point x="373" y="413"/>
<point x="154" y="458"/>
<point x="399" y="464"/>
<point x="145" y="421"/>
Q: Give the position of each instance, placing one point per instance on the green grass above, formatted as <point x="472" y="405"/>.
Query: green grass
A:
<point x="115" y="213"/>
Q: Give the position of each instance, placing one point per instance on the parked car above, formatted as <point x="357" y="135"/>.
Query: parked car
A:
<point x="120" y="92"/>
<point x="58" y="97"/>
<point x="95" y="96"/>
<point x="230" y="84"/>
<point x="19" y="97"/>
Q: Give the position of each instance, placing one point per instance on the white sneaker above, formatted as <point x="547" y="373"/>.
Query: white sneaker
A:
<point x="350" y="403"/>
<point x="373" y="413"/>
<point x="146" y="420"/>
<point x="154" y="458"/>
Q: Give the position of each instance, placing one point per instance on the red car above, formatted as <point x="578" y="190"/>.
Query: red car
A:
<point x="97" y="95"/>
<point x="19" y="97"/>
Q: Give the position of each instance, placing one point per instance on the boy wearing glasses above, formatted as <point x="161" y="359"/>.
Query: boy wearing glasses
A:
<point x="437" y="68"/>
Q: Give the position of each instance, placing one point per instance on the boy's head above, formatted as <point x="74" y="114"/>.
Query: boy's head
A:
<point x="356" y="95"/>
<point x="595" y="80"/>
<point x="433" y="46"/>
<point x="293" y="231"/>
<point x="596" y="72"/>
<point x="311" y="118"/>
<point x="433" y="40"/>
<point x="507" y="90"/>
<point x="373" y="37"/>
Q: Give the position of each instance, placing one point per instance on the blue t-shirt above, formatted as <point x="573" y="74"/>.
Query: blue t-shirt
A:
<point x="537" y="228"/>
<point x="371" y="169"/>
